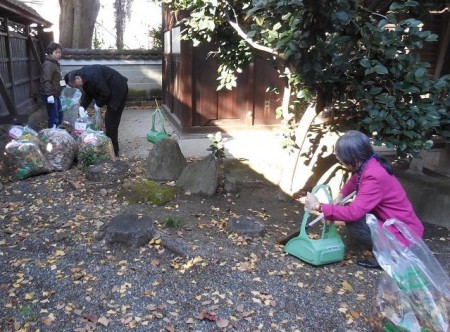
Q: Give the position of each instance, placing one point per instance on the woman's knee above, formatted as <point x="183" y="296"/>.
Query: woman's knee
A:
<point x="360" y="231"/>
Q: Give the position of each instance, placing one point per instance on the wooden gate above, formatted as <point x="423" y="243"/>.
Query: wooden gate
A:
<point x="20" y="62"/>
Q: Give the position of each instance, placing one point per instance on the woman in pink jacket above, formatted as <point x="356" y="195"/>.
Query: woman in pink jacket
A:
<point x="378" y="192"/>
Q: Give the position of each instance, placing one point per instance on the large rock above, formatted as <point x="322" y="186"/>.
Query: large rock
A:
<point x="200" y="178"/>
<point x="165" y="161"/>
<point x="131" y="230"/>
<point x="237" y="175"/>
<point x="135" y="231"/>
<point x="110" y="171"/>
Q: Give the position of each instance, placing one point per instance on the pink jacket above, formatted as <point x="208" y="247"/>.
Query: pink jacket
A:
<point x="380" y="194"/>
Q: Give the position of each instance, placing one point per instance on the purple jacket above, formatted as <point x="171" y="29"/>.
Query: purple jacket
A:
<point x="381" y="194"/>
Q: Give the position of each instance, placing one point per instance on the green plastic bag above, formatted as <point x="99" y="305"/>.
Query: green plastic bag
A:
<point x="154" y="135"/>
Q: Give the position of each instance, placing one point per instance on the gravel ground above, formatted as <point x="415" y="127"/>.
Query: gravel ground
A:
<point x="58" y="274"/>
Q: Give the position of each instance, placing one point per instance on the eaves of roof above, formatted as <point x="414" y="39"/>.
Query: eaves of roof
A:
<point x="21" y="13"/>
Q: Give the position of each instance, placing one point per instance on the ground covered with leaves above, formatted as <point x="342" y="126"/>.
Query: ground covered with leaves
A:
<point x="57" y="273"/>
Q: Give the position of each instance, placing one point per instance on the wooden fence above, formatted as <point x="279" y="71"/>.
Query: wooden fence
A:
<point x="20" y="54"/>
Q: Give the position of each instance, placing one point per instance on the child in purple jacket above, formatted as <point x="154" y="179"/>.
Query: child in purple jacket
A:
<point x="378" y="192"/>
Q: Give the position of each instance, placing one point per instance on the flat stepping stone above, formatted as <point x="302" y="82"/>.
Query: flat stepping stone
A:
<point x="136" y="231"/>
<point x="246" y="226"/>
<point x="110" y="171"/>
<point x="130" y="230"/>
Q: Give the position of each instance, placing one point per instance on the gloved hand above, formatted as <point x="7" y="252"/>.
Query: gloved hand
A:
<point x="82" y="112"/>
<point x="311" y="202"/>
<point x="50" y="99"/>
<point x="96" y="108"/>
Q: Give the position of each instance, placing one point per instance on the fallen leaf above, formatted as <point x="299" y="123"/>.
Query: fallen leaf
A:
<point x="222" y="323"/>
<point x="90" y="317"/>
<point x="328" y="289"/>
<point x="49" y="319"/>
<point x="29" y="296"/>
<point x="347" y="287"/>
<point x="207" y="316"/>
<point x="103" y="321"/>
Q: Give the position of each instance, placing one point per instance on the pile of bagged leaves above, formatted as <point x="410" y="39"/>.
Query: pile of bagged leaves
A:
<point x="30" y="153"/>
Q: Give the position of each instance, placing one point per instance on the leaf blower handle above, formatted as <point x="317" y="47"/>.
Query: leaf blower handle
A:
<point x="320" y="216"/>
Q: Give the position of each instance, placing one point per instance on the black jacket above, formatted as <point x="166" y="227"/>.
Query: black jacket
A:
<point x="103" y="84"/>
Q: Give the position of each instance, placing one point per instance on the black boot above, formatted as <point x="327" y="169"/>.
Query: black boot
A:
<point x="368" y="263"/>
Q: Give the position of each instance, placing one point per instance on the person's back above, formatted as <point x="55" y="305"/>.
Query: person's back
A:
<point x="386" y="193"/>
<point x="104" y="84"/>
<point x="108" y="88"/>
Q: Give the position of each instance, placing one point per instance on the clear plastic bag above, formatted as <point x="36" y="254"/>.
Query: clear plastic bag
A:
<point x="23" y="158"/>
<point x="96" y="121"/>
<point x="414" y="294"/>
<point x="58" y="147"/>
<point x="70" y="102"/>
<point x="22" y="132"/>
<point x="95" y="147"/>
<point x="82" y="124"/>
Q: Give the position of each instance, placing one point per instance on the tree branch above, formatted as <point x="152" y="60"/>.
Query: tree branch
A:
<point x="250" y="41"/>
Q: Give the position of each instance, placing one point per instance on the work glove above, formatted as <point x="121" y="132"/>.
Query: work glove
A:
<point x="311" y="202"/>
<point x="82" y="112"/>
<point x="96" y="108"/>
<point x="50" y="99"/>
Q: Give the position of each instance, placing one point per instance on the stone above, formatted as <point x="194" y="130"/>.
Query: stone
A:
<point x="130" y="230"/>
<point x="110" y="171"/>
<point x="201" y="177"/>
<point x="165" y="161"/>
<point x="237" y="175"/>
<point x="176" y="245"/>
<point x="246" y="226"/>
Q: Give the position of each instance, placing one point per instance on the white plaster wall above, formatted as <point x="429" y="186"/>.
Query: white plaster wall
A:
<point x="143" y="75"/>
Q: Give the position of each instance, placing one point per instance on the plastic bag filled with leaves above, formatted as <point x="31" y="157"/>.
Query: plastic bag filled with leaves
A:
<point x="415" y="293"/>
<point x="58" y="147"/>
<point x="70" y="102"/>
<point x="23" y="158"/>
<point x="95" y="147"/>
<point x="23" y="132"/>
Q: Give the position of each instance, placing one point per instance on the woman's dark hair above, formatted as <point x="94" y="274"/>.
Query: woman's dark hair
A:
<point x="354" y="147"/>
<point x="52" y="46"/>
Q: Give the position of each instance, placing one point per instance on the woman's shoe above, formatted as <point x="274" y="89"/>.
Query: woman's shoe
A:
<point x="368" y="264"/>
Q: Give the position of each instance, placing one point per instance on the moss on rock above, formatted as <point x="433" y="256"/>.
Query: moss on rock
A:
<point x="147" y="191"/>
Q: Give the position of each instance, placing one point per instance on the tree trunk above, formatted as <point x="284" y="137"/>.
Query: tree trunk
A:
<point x="291" y="167"/>
<point x="123" y="11"/>
<point x="77" y="22"/>
<point x="119" y="6"/>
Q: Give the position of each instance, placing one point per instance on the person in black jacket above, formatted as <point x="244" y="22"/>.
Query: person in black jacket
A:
<point x="105" y="86"/>
<point x="50" y="84"/>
